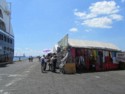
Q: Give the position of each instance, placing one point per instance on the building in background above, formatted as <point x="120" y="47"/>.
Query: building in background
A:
<point x="6" y="33"/>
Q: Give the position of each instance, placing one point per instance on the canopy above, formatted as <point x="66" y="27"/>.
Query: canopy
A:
<point x="91" y="44"/>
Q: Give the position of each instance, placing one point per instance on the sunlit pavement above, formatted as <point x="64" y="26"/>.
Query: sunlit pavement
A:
<point x="26" y="78"/>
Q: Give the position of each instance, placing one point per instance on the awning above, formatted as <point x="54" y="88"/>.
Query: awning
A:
<point x="91" y="44"/>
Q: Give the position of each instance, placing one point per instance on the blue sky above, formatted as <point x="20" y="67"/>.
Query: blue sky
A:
<point x="40" y="24"/>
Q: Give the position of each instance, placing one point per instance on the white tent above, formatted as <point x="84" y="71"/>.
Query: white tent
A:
<point x="91" y="44"/>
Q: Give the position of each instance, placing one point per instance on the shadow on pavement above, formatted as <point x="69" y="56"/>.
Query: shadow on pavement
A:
<point x="3" y="66"/>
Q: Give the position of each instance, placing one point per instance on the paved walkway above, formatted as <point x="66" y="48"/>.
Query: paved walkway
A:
<point x="32" y="81"/>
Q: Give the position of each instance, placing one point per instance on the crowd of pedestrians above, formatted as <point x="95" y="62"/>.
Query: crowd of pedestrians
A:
<point x="50" y="61"/>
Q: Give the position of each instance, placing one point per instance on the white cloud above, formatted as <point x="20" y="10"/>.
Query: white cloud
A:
<point x="88" y="30"/>
<point x="80" y="14"/>
<point x="73" y="29"/>
<point x="100" y="15"/>
<point x="103" y="22"/>
<point x="116" y="17"/>
<point x="83" y="15"/>
<point x="104" y="7"/>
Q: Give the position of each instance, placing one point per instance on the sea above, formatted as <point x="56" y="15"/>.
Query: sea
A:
<point x="16" y="58"/>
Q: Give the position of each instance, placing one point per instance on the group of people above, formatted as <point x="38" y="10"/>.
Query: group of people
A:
<point x="30" y="59"/>
<point x="50" y="61"/>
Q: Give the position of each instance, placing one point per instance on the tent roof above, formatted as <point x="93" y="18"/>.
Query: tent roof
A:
<point x="91" y="44"/>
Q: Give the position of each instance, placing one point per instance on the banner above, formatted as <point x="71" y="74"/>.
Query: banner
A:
<point x="120" y="57"/>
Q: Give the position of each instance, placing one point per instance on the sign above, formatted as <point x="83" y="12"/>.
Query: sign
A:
<point x="120" y="57"/>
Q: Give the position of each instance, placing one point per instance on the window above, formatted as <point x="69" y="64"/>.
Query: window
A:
<point x="2" y="26"/>
<point x="4" y="48"/>
<point x="1" y="37"/>
<point x="1" y="15"/>
<point x="5" y="39"/>
<point x="11" y="41"/>
<point x="8" y="40"/>
<point x="7" y="48"/>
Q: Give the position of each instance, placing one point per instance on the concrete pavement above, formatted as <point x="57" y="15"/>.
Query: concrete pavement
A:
<point x="28" y="79"/>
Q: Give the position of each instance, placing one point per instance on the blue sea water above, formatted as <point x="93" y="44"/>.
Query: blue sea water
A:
<point x="16" y="58"/>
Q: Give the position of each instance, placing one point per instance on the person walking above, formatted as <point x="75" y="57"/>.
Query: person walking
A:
<point x="50" y="63"/>
<point x="54" y="63"/>
<point x="42" y="64"/>
<point x="45" y="60"/>
<point x="29" y="58"/>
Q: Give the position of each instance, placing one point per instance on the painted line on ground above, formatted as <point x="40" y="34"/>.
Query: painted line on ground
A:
<point x="14" y="75"/>
<point x="6" y="93"/>
<point x="27" y="71"/>
<point x="97" y="77"/>
<point x="1" y="91"/>
<point x="13" y="81"/>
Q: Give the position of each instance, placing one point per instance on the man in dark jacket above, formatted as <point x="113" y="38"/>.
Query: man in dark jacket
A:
<point x="54" y="63"/>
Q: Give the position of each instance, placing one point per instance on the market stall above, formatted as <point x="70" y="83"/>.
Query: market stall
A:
<point x="90" y="55"/>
